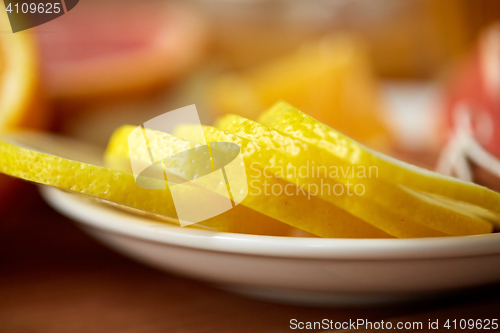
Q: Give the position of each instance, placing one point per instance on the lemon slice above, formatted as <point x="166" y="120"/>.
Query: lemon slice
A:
<point x="294" y="123"/>
<point x="299" y="155"/>
<point x="296" y="206"/>
<point x="55" y="161"/>
<point x="299" y="210"/>
<point x="241" y="219"/>
<point x="394" y="209"/>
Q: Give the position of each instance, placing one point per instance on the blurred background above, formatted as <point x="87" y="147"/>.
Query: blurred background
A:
<point x="348" y="63"/>
<point x="388" y="73"/>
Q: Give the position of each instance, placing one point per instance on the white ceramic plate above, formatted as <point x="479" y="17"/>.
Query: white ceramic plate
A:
<point x="300" y="270"/>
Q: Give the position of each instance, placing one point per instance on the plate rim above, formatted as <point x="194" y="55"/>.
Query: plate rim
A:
<point x="98" y="216"/>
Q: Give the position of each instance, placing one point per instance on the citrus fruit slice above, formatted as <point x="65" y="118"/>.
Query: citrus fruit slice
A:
<point x="345" y="151"/>
<point x="474" y="86"/>
<point x="380" y="203"/>
<point x="101" y="49"/>
<point x="292" y="122"/>
<point x="283" y="200"/>
<point x="19" y="87"/>
<point x="299" y="210"/>
<point x="187" y="163"/>
<point x="295" y="210"/>
<point x="331" y="78"/>
<point x="20" y="102"/>
<point x="22" y="155"/>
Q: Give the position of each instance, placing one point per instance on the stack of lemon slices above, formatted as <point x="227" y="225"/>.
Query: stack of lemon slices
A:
<point x="301" y="174"/>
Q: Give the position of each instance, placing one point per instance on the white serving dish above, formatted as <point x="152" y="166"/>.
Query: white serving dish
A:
<point x="299" y="270"/>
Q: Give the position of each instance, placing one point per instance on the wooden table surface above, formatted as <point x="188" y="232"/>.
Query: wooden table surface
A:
<point x="54" y="278"/>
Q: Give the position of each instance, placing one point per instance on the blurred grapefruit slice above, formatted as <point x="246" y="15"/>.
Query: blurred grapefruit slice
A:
<point x="472" y="115"/>
<point x="476" y="85"/>
<point x="108" y="48"/>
